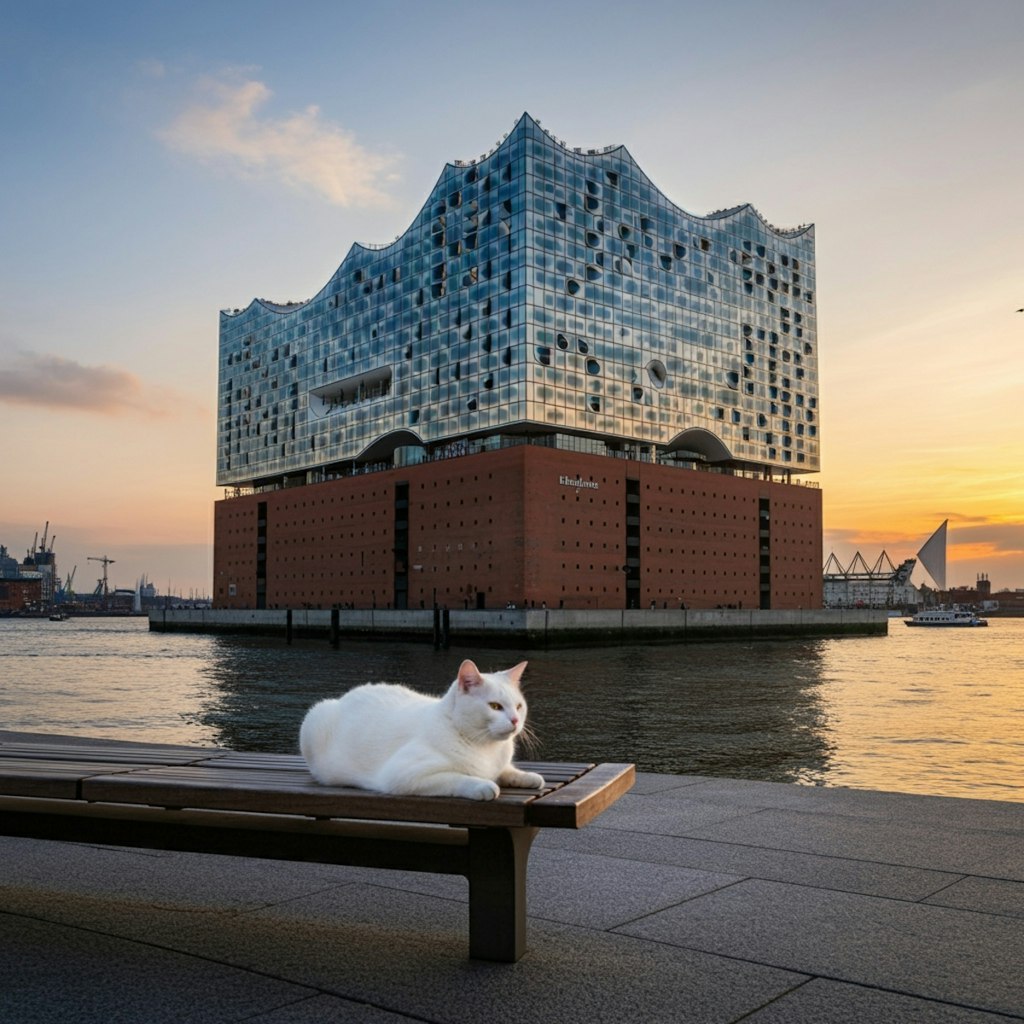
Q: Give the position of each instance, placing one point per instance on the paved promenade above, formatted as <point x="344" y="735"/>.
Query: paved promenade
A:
<point x="691" y="899"/>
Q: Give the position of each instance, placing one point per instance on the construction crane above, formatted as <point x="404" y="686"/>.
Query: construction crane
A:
<point x="102" y="582"/>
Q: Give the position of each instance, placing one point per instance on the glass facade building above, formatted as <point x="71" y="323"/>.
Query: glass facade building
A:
<point x="543" y="294"/>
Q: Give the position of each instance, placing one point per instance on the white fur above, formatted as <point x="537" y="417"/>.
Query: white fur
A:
<point x="392" y="739"/>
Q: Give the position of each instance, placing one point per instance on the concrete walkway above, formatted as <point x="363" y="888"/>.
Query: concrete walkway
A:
<point x="691" y="899"/>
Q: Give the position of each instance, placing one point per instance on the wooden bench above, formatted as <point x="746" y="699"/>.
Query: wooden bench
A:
<point x="268" y="806"/>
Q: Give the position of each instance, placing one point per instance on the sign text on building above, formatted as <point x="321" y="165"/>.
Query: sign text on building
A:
<point x="577" y="482"/>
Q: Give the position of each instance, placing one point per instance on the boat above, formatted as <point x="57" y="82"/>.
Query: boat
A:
<point x="58" y="616"/>
<point x="946" y="617"/>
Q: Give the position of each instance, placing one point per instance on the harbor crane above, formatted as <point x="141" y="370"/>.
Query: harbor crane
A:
<point x="106" y="561"/>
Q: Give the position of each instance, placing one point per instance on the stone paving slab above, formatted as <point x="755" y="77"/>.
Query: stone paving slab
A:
<point x="156" y="876"/>
<point x="834" y="1002"/>
<point x="322" y="1009"/>
<point x="985" y="895"/>
<point x="935" y="952"/>
<point x="570" y="973"/>
<point x="671" y="813"/>
<point x="52" y="974"/>
<point x="857" y="803"/>
<point x="868" y="878"/>
<point x="943" y="845"/>
<point x="573" y="886"/>
<point x="406" y="953"/>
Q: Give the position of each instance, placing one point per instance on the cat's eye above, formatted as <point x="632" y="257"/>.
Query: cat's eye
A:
<point x="519" y="707"/>
<point x="495" y="706"/>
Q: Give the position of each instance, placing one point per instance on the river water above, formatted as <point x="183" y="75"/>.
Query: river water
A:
<point x="918" y="710"/>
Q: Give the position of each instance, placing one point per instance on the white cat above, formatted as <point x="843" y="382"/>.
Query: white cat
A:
<point x="392" y="739"/>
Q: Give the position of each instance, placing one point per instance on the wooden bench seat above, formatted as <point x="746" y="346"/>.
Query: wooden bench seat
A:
<point x="268" y="806"/>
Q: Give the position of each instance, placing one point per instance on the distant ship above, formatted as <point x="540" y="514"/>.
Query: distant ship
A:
<point x="946" y="617"/>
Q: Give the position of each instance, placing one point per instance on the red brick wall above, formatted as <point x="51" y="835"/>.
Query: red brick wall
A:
<point x="796" y="547"/>
<point x="18" y="594"/>
<point x="577" y="538"/>
<point x="502" y="524"/>
<point x="466" y="530"/>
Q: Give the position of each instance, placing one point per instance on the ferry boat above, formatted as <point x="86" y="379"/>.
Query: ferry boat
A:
<point x="946" y="617"/>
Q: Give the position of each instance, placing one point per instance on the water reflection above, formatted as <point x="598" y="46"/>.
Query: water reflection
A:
<point x="713" y="709"/>
<point x="708" y="709"/>
<point x="917" y="711"/>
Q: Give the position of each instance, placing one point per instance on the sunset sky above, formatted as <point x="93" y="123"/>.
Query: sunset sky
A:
<point x="162" y="161"/>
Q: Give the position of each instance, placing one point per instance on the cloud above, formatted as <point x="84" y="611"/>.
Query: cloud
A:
<point x="53" y="382"/>
<point x="225" y="127"/>
<point x="1000" y="539"/>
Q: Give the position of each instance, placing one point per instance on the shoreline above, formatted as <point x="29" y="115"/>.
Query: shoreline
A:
<point x="530" y="627"/>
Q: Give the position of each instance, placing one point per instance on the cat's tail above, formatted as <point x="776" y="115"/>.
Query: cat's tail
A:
<point x="316" y="737"/>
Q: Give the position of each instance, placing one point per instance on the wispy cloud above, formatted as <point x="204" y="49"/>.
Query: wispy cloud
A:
<point x="52" y="382"/>
<point x="225" y="126"/>
<point x="1001" y="539"/>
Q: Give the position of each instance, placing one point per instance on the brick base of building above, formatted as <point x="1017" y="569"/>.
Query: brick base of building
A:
<point x="529" y="526"/>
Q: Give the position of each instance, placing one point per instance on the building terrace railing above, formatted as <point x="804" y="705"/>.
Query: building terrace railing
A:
<point x="476" y="446"/>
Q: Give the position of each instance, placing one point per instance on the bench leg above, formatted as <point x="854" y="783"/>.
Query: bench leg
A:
<point x="497" y="892"/>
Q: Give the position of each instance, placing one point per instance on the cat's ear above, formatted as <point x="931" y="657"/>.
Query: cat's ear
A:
<point x="515" y="674"/>
<point x="469" y="676"/>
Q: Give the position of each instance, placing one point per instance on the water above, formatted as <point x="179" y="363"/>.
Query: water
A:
<point x="924" y="711"/>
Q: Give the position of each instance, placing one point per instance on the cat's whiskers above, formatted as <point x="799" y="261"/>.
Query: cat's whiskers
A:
<point x="527" y="739"/>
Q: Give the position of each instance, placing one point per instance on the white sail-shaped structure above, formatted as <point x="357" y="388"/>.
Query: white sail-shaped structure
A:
<point x="933" y="556"/>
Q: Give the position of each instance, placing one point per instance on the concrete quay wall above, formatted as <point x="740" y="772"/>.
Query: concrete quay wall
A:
<point x="530" y="627"/>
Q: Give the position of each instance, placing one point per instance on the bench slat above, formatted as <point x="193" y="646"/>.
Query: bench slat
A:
<point x="240" y="759"/>
<point x="573" y="767"/>
<point x="583" y="799"/>
<point x="60" y="780"/>
<point x="290" y="792"/>
<point x="115" y="753"/>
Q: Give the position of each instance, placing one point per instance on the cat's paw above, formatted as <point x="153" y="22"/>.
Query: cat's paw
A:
<point x="521" y="780"/>
<point x="478" y="789"/>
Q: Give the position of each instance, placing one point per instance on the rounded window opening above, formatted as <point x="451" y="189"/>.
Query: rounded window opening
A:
<point x="657" y="372"/>
<point x="593" y="366"/>
<point x="572" y="287"/>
